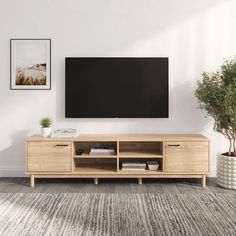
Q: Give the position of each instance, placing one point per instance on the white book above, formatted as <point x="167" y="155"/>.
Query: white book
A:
<point x="132" y="164"/>
<point x="133" y="169"/>
<point x="102" y="150"/>
<point x="64" y="133"/>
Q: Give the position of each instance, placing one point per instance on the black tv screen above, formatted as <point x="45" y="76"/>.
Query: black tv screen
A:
<point x="102" y="87"/>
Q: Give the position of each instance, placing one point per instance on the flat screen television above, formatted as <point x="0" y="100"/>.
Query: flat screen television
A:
<point x="121" y="87"/>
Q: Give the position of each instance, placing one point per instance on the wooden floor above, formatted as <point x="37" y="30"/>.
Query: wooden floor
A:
<point x="21" y="185"/>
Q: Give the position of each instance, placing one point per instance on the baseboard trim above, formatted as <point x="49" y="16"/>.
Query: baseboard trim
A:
<point x="213" y="172"/>
<point x="12" y="171"/>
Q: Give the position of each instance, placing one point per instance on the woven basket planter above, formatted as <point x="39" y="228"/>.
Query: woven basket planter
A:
<point x="226" y="171"/>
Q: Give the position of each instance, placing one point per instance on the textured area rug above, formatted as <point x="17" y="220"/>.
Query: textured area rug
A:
<point x="117" y="214"/>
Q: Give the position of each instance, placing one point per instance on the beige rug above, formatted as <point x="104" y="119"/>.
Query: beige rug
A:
<point x="117" y="214"/>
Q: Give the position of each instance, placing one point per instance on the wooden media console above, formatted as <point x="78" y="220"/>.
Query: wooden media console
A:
<point x="179" y="156"/>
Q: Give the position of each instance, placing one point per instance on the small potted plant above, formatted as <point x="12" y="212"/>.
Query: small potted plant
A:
<point x="216" y="94"/>
<point x="46" y="127"/>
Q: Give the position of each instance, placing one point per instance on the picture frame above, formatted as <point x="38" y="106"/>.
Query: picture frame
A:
<point x="30" y="64"/>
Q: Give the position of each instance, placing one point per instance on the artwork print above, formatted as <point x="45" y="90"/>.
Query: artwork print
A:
<point x="30" y="64"/>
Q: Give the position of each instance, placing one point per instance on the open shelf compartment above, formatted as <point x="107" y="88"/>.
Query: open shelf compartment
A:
<point x="86" y="147"/>
<point x="141" y="149"/>
<point x="95" y="165"/>
<point x="141" y="160"/>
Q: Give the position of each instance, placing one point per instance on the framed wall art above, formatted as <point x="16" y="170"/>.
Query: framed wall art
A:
<point x="30" y="64"/>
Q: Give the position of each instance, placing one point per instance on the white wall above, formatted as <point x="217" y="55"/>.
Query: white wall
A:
<point x="195" y="35"/>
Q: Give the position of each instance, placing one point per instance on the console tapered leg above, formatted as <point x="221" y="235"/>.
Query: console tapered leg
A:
<point x="95" y="180"/>
<point x="140" y="180"/>
<point x="203" y="181"/>
<point x="32" y="181"/>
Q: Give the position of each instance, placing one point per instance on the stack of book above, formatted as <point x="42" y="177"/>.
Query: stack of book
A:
<point x="102" y="151"/>
<point x="65" y="133"/>
<point x="133" y="166"/>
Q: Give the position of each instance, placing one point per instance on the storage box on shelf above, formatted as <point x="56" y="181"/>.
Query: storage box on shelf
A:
<point x="178" y="156"/>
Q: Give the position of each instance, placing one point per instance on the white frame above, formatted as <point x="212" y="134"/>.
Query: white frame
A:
<point x="13" y="60"/>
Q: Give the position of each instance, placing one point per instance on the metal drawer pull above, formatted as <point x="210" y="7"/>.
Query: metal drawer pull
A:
<point x="173" y="145"/>
<point x="62" y="145"/>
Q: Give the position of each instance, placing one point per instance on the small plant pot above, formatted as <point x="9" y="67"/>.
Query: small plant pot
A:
<point x="46" y="132"/>
<point x="226" y="171"/>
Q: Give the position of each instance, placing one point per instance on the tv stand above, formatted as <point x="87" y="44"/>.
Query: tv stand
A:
<point x="179" y="155"/>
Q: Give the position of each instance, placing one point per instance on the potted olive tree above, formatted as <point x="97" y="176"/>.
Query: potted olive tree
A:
<point x="46" y="127"/>
<point x="216" y="94"/>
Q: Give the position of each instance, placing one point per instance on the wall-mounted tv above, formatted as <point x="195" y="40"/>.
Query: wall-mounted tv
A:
<point x="121" y="87"/>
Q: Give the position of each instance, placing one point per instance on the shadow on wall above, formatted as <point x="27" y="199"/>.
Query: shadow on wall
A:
<point x="119" y="25"/>
<point x="14" y="155"/>
<point x="184" y="112"/>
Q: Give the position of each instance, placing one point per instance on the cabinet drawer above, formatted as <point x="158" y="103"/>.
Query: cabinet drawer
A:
<point x="49" y="156"/>
<point x="187" y="157"/>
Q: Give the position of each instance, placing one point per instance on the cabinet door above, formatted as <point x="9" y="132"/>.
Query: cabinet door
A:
<point x="49" y="156"/>
<point x="187" y="157"/>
